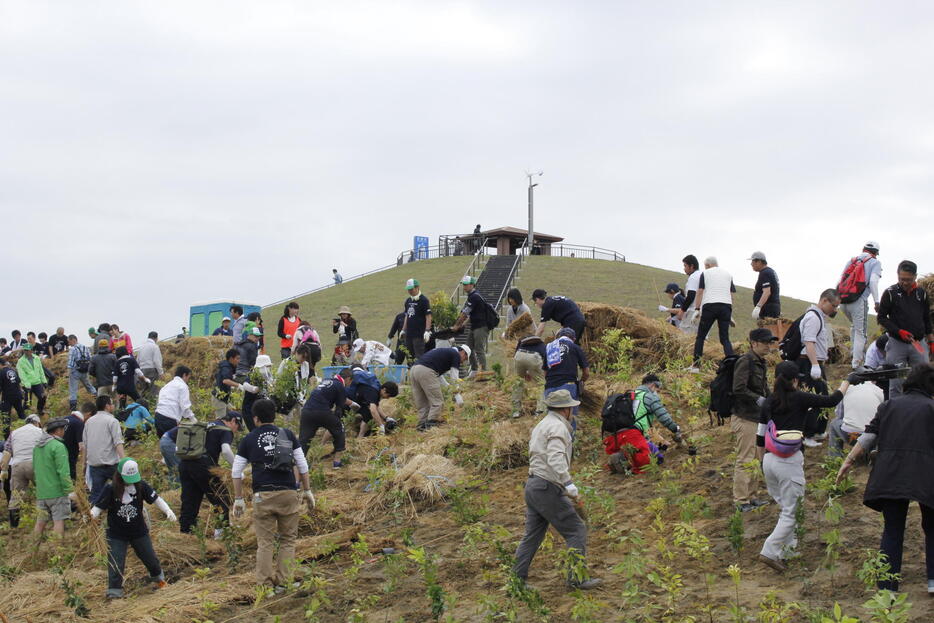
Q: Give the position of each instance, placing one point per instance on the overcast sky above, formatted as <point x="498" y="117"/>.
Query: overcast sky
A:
<point x="153" y="154"/>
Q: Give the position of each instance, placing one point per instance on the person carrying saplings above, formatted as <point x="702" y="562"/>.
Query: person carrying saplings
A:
<point x="127" y="526"/>
<point x="322" y="410"/>
<point x="224" y="382"/>
<point x="750" y="391"/>
<point x="632" y="442"/>
<point x="366" y="390"/>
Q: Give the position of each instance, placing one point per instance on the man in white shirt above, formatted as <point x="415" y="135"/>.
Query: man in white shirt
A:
<point x="714" y="302"/>
<point x="174" y="403"/>
<point x="17" y="455"/>
<point x="857" y="409"/>
<point x="858" y="311"/>
<point x="149" y="358"/>
<point x="371" y="353"/>
<point x="685" y="316"/>
<point x="816" y="340"/>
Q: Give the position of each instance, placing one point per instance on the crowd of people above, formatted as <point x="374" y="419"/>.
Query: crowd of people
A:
<point x="771" y="422"/>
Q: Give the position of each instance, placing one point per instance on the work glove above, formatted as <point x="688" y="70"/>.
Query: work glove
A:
<point x="571" y="490"/>
<point x="288" y="336"/>
<point x="760" y="401"/>
<point x="171" y="516"/>
<point x="247" y="387"/>
<point x="427" y="336"/>
<point x="905" y="336"/>
<point x="755" y="312"/>
<point x="853" y="378"/>
<point x="815" y="372"/>
<point x="4" y="475"/>
<point x="355" y="406"/>
<point x="148" y="381"/>
<point x="389" y="342"/>
<point x="382" y="429"/>
<point x="239" y="507"/>
<point x="458" y="399"/>
<point x="309" y="498"/>
<point x="662" y="308"/>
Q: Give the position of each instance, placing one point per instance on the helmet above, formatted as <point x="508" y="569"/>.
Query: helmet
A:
<point x="466" y="349"/>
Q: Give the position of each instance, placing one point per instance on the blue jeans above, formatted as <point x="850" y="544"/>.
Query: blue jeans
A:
<point x="76" y="379"/>
<point x="116" y="561"/>
<point x="100" y="474"/>
<point x="167" y="448"/>
<point x="572" y="388"/>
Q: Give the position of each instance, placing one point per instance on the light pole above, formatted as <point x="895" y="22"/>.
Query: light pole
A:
<point x="531" y="208"/>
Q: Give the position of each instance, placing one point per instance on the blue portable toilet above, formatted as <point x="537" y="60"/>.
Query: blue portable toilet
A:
<point x="204" y="317"/>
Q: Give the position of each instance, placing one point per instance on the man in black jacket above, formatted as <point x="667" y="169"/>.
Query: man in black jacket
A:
<point x="905" y="312"/>
<point x="750" y="389"/>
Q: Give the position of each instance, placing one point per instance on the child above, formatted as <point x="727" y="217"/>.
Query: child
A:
<point x="126" y="526"/>
<point x="342" y="355"/>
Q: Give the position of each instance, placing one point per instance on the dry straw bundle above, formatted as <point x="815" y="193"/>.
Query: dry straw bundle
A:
<point x="510" y="442"/>
<point x="426" y="477"/>
<point x="520" y="327"/>
<point x="927" y="283"/>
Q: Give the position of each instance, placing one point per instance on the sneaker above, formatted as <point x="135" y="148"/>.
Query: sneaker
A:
<point x="811" y="442"/>
<point x="778" y="565"/>
<point x="218" y="534"/>
<point x="585" y="585"/>
<point x="758" y="503"/>
<point x="745" y="507"/>
<point x="114" y="595"/>
<point x="517" y="414"/>
<point x="337" y="465"/>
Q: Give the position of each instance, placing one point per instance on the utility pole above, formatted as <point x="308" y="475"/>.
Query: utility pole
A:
<point x="531" y="208"/>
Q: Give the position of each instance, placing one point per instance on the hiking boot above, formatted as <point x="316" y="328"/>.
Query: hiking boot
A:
<point x="14" y="518"/>
<point x="745" y="507"/>
<point x="778" y="565"/>
<point x="811" y="442"/>
<point x="158" y="584"/>
<point x="758" y="503"/>
<point x="585" y="585"/>
<point x="114" y="593"/>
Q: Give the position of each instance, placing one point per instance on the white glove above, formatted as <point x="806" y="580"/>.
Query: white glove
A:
<point x="354" y="406"/>
<point x="427" y="336"/>
<point x="247" y="387"/>
<point x="815" y="372"/>
<point x="572" y="490"/>
<point x="458" y="399"/>
<point x="309" y="500"/>
<point x="239" y="507"/>
<point x="760" y="401"/>
<point x="662" y="308"/>
<point x="755" y="312"/>
<point x="382" y="429"/>
<point x="288" y="336"/>
<point x="171" y="516"/>
<point x="388" y="342"/>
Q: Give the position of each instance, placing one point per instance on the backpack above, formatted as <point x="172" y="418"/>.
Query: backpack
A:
<point x="282" y="459"/>
<point x="791" y="345"/>
<point x="853" y="281"/>
<point x="721" y="390"/>
<point x="192" y="438"/>
<point x="617" y="413"/>
<point x="492" y="318"/>
<point x="83" y="362"/>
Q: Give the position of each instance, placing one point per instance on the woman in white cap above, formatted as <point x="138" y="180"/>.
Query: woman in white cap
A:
<point x="345" y="325"/>
<point x="126" y="525"/>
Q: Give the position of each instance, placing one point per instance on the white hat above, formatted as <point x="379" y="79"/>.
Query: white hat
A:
<point x="262" y="361"/>
<point x="357" y="343"/>
<point x="33" y="417"/>
<point x="225" y="319"/>
<point x="466" y="349"/>
<point x="872" y="245"/>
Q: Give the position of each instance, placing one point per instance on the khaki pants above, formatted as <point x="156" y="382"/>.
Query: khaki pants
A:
<point x="477" y="340"/>
<point x="220" y="407"/>
<point x="529" y="369"/>
<point x="20" y="480"/>
<point x="426" y="392"/>
<point x="744" y="434"/>
<point x="275" y="514"/>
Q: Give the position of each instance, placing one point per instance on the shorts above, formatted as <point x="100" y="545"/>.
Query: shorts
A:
<point x="59" y="509"/>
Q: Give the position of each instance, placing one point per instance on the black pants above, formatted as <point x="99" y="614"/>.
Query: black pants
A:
<point x="39" y="392"/>
<point x="246" y="409"/>
<point x="895" y="512"/>
<point x="721" y="313"/>
<point x="124" y="392"/>
<point x="164" y="424"/>
<point x="815" y="423"/>
<point x="415" y="344"/>
<point x="578" y="323"/>
<point x="313" y="420"/>
<point x="7" y="406"/>
<point x="771" y="310"/>
<point x="197" y="483"/>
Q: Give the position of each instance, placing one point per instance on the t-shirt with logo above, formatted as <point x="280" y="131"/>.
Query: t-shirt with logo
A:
<point x="125" y="519"/>
<point x="126" y="374"/>
<point x="9" y="383"/>
<point x="328" y="394"/>
<point x="561" y="309"/>
<point x="416" y="311"/>
<point x="42" y="349"/>
<point x="259" y="449"/>
<point x="572" y="358"/>
<point x="58" y="343"/>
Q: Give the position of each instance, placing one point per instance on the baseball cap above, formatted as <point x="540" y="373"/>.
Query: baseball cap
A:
<point x="567" y="332"/>
<point x="672" y="287"/>
<point x="758" y="255"/>
<point x="411" y="283"/>
<point x="27" y="346"/>
<point x="468" y="280"/>
<point x="256" y="331"/>
<point x="872" y="245"/>
<point x="466" y="349"/>
<point x="129" y="470"/>
<point x="225" y="319"/>
<point x="788" y="370"/>
<point x="762" y="335"/>
<point x="357" y="343"/>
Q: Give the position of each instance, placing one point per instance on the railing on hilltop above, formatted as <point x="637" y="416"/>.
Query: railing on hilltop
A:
<point x="581" y="251"/>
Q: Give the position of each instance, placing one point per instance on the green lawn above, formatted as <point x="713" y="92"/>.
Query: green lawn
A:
<point x="374" y="300"/>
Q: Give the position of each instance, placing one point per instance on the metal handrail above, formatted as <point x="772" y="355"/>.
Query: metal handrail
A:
<point x="474" y="264"/>
<point x="583" y="251"/>
<point x="512" y="275"/>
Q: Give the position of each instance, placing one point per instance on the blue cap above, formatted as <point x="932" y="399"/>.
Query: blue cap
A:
<point x="672" y="287"/>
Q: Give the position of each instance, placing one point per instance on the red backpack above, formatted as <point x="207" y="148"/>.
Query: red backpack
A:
<point x="853" y="281"/>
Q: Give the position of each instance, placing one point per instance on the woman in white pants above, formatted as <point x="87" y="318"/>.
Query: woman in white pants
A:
<point x="781" y="431"/>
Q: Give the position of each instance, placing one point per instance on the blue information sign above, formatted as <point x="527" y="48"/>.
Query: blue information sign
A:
<point x="421" y="247"/>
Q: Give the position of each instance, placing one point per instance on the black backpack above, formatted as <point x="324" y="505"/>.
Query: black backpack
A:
<point x="617" y="413"/>
<point x="791" y="345"/>
<point x="721" y="390"/>
<point x="282" y="459"/>
<point x="492" y="318"/>
<point x="83" y="362"/>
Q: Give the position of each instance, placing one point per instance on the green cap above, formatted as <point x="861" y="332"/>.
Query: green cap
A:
<point x="468" y="280"/>
<point x="411" y="283"/>
<point x="129" y="470"/>
<point x="27" y="346"/>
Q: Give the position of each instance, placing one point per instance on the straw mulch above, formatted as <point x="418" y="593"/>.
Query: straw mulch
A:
<point x="510" y="443"/>
<point x="927" y="283"/>
<point x="520" y="327"/>
<point x="841" y="351"/>
<point x="201" y="354"/>
<point x="426" y="477"/>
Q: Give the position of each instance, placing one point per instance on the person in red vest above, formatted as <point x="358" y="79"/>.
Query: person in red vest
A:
<point x="288" y="325"/>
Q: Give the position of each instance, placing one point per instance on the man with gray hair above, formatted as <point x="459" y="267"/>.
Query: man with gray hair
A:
<point x="714" y="302"/>
<point x="17" y="455"/>
<point x="816" y="340"/>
